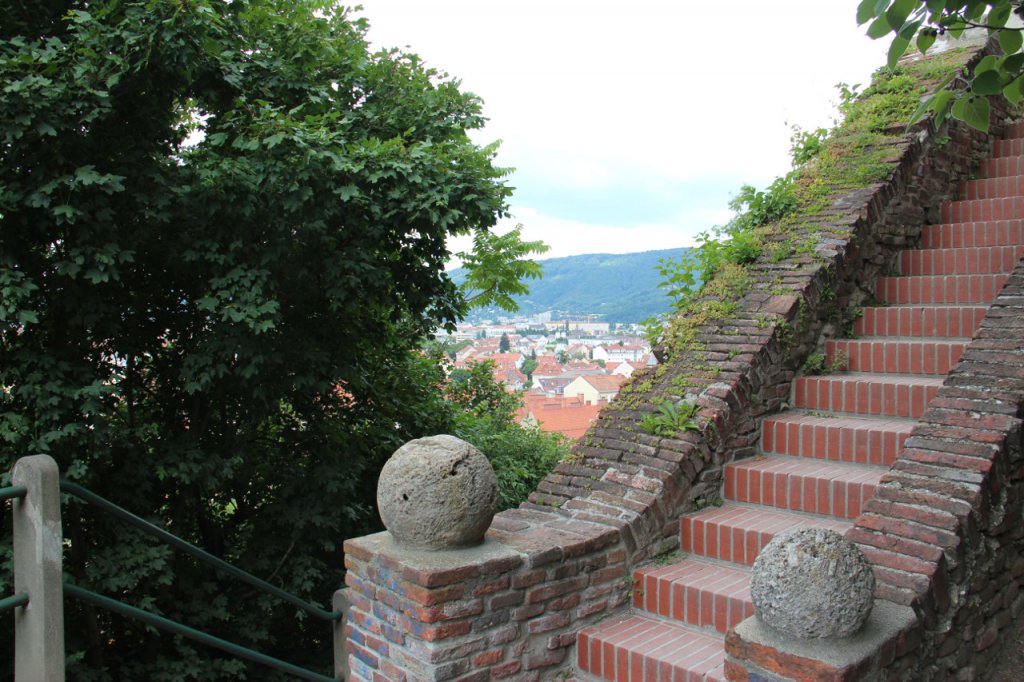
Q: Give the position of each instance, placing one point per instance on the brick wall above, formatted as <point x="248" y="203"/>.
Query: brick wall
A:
<point x="944" y="529"/>
<point x="510" y="608"/>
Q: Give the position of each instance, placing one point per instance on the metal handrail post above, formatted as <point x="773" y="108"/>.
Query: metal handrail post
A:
<point x="38" y="571"/>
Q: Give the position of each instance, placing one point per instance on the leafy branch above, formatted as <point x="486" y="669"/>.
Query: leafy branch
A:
<point x="497" y="268"/>
<point x="921" y="22"/>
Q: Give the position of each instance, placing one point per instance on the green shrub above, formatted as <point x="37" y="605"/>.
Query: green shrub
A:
<point x="485" y="417"/>
<point x="521" y="456"/>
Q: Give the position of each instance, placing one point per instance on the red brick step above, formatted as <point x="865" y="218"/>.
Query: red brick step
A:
<point x="1015" y="129"/>
<point x="920" y="320"/>
<point x="963" y="235"/>
<point x="939" y="289"/>
<point x="1013" y="146"/>
<point x="973" y="210"/>
<point x="891" y="395"/>
<point x="1005" y="185"/>
<point x="695" y="592"/>
<point x="808" y="485"/>
<point x="1002" y="166"/>
<point x="960" y="261"/>
<point x="863" y="440"/>
<point x="737" y="533"/>
<point x="641" y="649"/>
<point x="904" y="356"/>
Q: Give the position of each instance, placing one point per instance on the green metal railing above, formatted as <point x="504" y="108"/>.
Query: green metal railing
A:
<point x="13" y="492"/>
<point x="167" y="625"/>
<point x="207" y="558"/>
<point x="173" y="627"/>
<point x="13" y="602"/>
<point x="35" y="570"/>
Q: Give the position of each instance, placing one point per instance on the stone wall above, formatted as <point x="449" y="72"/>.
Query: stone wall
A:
<point x="511" y="608"/>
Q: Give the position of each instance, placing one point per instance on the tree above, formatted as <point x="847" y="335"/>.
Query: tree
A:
<point x="920" y="22"/>
<point x="504" y="345"/>
<point x="223" y="233"/>
<point x="497" y="267"/>
<point x="530" y="365"/>
<point x="485" y="416"/>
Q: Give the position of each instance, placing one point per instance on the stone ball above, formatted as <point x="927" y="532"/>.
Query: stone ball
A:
<point x="436" y="493"/>
<point x="812" y="583"/>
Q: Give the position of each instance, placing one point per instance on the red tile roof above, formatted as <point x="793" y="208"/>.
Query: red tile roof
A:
<point x="568" y="416"/>
<point x="605" y="382"/>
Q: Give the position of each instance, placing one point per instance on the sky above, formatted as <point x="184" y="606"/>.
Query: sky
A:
<point x="630" y="125"/>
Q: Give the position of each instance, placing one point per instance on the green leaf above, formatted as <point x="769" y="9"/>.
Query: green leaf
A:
<point x="909" y="29"/>
<point x="974" y="9"/>
<point x="925" y="39"/>
<point x="207" y="303"/>
<point x="941" y="112"/>
<point x="87" y="175"/>
<point x="987" y="83"/>
<point x="868" y="9"/>
<point x="998" y="16"/>
<point x="935" y="5"/>
<point x="923" y="107"/>
<point x="1014" y="92"/>
<point x="346" y="192"/>
<point x="27" y="317"/>
<point x="1012" y="64"/>
<point x="65" y="213"/>
<point x="974" y="111"/>
<point x="940" y="105"/>
<point x="896" y="49"/>
<point x="1010" y="40"/>
<point x="865" y="11"/>
<point x="959" y="106"/>
<point x="899" y="12"/>
<point x="879" y="27"/>
<point x="986" y="63"/>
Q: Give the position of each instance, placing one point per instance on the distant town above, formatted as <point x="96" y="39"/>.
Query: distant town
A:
<point x="566" y="369"/>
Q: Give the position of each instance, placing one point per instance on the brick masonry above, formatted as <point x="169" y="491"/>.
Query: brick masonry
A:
<point x="944" y="529"/>
<point x="937" y="525"/>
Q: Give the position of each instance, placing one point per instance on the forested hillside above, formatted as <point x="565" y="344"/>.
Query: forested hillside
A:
<point x="620" y="287"/>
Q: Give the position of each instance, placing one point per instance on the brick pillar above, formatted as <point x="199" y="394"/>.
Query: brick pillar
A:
<point x="754" y="651"/>
<point x="507" y="608"/>
<point x="427" y="615"/>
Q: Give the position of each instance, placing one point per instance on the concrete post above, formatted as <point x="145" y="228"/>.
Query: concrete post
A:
<point x="340" y="602"/>
<point x="39" y="625"/>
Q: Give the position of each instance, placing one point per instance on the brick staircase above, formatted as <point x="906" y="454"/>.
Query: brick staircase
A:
<point x="820" y="461"/>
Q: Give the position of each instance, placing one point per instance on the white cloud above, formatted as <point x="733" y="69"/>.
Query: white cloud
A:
<point x="593" y="93"/>
<point x="568" y="237"/>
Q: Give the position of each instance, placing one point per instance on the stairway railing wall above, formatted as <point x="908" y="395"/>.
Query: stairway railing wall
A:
<point x="564" y="560"/>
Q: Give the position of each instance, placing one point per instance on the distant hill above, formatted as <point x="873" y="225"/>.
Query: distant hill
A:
<point x="620" y="287"/>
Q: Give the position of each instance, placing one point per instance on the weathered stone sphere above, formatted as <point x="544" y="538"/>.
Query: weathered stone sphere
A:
<point x="436" y="493"/>
<point x="812" y="583"/>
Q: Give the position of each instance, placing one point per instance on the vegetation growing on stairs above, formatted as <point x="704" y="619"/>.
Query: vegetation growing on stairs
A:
<point x="782" y="222"/>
